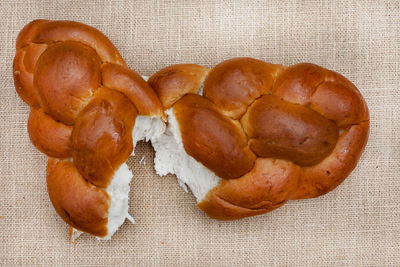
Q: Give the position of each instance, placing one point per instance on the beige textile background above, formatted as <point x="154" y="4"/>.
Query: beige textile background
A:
<point x="357" y="224"/>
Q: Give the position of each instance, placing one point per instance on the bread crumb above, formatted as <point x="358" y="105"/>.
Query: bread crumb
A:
<point x="171" y="157"/>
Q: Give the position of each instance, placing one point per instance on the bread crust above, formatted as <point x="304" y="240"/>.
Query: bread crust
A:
<point x="102" y="136"/>
<point x="279" y="129"/>
<point x="273" y="133"/>
<point x="235" y="83"/>
<point x="333" y="170"/>
<point x="269" y="185"/>
<point x="173" y="82"/>
<point x="215" y="140"/>
<point x="84" y="102"/>
<point x="132" y="85"/>
<point x="66" y="76"/>
<point x="23" y="67"/>
<point x="78" y="202"/>
<point x="48" y="32"/>
<point x="306" y="125"/>
<point x="49" y="136"/>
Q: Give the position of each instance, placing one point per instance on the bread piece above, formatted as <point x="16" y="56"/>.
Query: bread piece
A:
<point x="49" y="136"/>
<point x="255" y="136"/>
<point x="279" y="129"/>
<point x="171" y="83"/>
<point x="307" y="127"/>
<point x="213" y="139"/>
<point x="235" y="83"/>
<point x="88" y="110"/>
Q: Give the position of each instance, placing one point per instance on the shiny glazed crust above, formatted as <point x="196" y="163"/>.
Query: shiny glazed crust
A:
<point x="84" y="102"/>
<point x="272" y="133"/>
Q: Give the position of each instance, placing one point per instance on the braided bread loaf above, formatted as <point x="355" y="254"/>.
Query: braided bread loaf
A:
<point x="84" y="104"/>
<point x="258" y="134"/>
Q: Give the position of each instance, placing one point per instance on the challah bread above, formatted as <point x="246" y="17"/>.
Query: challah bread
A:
<point x="246" y="136"/>
<point x="88" y="110"/>
<point x="257" y="134"/>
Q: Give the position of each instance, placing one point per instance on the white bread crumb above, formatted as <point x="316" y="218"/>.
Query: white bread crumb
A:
<point x="171" y="157"/>
<point x="145" y="128"/>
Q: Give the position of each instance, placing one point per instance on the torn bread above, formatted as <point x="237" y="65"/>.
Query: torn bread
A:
<point x="88" y="110"/>
<point x="247" y="135"/>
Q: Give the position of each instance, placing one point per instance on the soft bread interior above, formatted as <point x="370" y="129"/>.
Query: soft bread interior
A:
<point x="171" y="157"/>
<point x="146" y="128"/>
<point x="118" y="190"/>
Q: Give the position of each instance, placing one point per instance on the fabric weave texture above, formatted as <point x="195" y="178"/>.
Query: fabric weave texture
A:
<point x="356" y="224"/>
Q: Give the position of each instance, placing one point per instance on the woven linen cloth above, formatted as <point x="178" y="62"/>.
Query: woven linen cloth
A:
<point x="356" y="224"/>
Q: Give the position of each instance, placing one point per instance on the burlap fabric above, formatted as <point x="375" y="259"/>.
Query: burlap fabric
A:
<point x="356" y="224"/>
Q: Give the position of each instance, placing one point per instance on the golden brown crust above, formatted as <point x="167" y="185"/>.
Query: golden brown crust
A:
<point x="102" y="121"/>
<point x="173" y="82"/>
<point x="58" y="70"/>
<point x="279" y="129"/>
<point x="340" y="103"/>
<point x="314" y="117"/>
<point x="45" y="31"/>
<point x="28" y="32"/>
<point x="269" y="185"/>
<point x="213" y="139"/>
<point x="325" y="91"/>
<point x="23" y="67"/>
<point x="326" y="176"/>
<point x="235" y="83"/>
<point x="66" y="76"/>
<point x="131" y="84"/>
<point x="102" y="136"/>
<point x="49" y="136"/>
<point x="297" y="83"/>
<point x="79" y="203"/>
